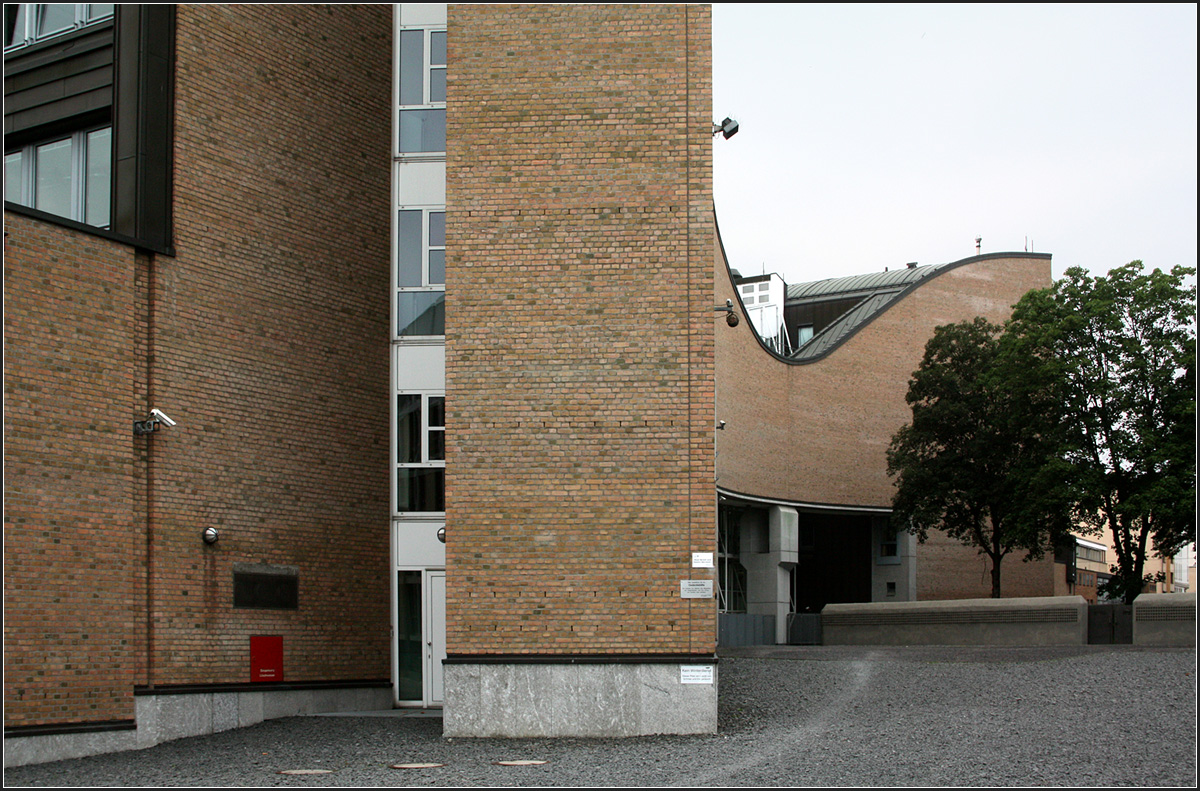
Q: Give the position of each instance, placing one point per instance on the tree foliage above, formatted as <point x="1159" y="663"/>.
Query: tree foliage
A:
<point x="977" y="461"/>
<point x="1119" y="351"/>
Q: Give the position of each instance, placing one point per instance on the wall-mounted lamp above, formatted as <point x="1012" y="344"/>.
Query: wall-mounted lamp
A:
<point x="731" y="318"/>
<point x="211" y="535"/>
<point x="728" y="127"/>
<point x="150" y="425"/>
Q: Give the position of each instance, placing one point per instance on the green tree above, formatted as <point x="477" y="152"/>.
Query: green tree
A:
<point x="977" y="459"/>
<point x="1121" y="352"/>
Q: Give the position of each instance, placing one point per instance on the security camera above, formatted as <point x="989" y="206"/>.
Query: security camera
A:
<point x="150" y="425"/>
<point x="159" y="415"/>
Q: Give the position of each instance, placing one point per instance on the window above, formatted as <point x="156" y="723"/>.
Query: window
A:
<point x="420" y="452"/>
<point x="889" y="543"/>
<point x="29" y="23"/>
<point x="804" y="334"/>
<point x="420" y="272"/>
<point x="70" y="177"/>
<point x="421" y="89"/>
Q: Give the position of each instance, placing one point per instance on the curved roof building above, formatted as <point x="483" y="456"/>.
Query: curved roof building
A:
<point x="801" y="459"/>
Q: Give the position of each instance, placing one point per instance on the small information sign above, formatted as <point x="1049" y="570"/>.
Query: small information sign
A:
<point x="696" y="674"/>
<point x="696" y="589"/>
<point x="702" y="560"/>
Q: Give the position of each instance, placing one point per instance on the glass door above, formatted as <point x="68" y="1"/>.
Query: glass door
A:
<point x="420" y="641"/>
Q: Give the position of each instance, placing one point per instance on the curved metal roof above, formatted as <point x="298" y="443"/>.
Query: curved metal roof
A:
<point x="877" y="290"/>
<point x="843" y="286"/>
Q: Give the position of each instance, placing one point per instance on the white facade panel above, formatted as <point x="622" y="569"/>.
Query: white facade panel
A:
<point x="421" y="184"/>
<point x="422" y="13"/>
<point x="420" y="367"/>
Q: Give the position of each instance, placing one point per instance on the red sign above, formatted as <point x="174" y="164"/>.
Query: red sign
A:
<point x="266" y="657"/>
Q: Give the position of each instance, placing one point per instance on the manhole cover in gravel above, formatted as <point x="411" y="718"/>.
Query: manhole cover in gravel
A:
<point x="305" y="771"/>
<point x="519" y="763"/>
<point x="416" y="766"/>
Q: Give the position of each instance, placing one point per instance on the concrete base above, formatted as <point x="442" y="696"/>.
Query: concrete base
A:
<point x="161" y="718"/>
<point x="526" y="700"/>
<point x="1164" y="619"/>
<point x="1045" y="620"/>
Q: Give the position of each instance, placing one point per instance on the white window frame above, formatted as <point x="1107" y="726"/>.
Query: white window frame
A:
<point x="427" y="103"/>
<point x="425" y="286"/>
<point x="28" y="35"/>
<point x="425" y="462"/>
<point x="79" y="173"/>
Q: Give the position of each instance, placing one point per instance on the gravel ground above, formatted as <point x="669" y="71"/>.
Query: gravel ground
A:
<point x="789" y="716"/>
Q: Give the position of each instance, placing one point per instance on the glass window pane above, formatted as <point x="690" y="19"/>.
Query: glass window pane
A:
<point x="13" y="177"/>
<point x="99" y="10"/>
<point x="55" y="17"/>
<point x="421" y="313"/>
<point x="422" y="130"/>
<point x="412" y="67"/>
<point x="53" y="167"/>
<point x="14" y="23"/>
<point x="437" y="85"/>
<point x="408" y="249"/>
<point x="437" y="267"/>
<point x="437" y="446"/>
<point x="421" y="489"/>
<point x="437" y="229"/>
<point x="437" y="411"/>
<point x="437" y="48"/>
<point x="408" y="429"/>
<point x="99" y="174"/>
<point x="410" y="647"/>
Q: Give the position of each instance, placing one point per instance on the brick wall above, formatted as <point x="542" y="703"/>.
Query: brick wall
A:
<point x="70" y="537"/>
<point x="265" y="337"/>
<point x="579" y="329"/>
<point x="819" y="432"/>
<point x="948" y="570"/>
<point x="270" y="343"/>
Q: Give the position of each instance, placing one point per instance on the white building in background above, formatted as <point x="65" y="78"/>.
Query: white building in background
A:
<point x="763" y="297"/>
<point x="1185" y="569"/>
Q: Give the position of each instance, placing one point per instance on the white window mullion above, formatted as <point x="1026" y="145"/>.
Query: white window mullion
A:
<point x="78" y="174"/>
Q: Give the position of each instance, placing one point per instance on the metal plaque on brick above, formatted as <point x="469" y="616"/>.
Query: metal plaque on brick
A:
<point x="696" y="589"/>
<point x="696" y="674"/>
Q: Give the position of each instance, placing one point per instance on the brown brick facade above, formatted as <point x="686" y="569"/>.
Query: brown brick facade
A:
<point x="265" y="336"/>
<point x="70" y="536"/>
<point x="579" y="330"/>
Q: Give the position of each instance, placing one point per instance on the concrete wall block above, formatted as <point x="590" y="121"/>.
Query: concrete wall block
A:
<point x="1164" y="619"/>
<point x="1050" y="620"/>
<point x="553" y="700"/>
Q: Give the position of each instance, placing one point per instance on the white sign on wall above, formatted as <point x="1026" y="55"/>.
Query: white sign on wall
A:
<point x="702" y="560"/>
<point x="696" y="589"/>
<point x="696" y="674"/>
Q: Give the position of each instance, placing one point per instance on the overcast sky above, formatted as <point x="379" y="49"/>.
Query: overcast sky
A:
<point x="871" y="136"/>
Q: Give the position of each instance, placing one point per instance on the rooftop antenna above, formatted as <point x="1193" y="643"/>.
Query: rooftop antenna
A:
<point x="978" y="241"/>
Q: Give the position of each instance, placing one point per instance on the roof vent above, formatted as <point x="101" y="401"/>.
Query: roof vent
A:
<point x="911" y="264"/>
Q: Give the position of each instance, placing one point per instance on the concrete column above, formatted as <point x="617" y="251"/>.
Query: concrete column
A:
<point x="768" y="573"/>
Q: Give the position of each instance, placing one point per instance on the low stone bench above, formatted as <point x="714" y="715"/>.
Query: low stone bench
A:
<point x="1044" y="620"/>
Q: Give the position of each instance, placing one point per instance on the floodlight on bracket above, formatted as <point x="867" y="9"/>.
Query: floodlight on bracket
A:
<point x="728" y="127"/>
<point x="731" y="318"/>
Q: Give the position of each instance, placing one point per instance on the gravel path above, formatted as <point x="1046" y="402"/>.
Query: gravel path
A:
<point x="1094" y="716"/>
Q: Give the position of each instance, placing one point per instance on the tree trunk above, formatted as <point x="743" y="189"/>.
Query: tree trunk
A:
<point x="995" y="578"/>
